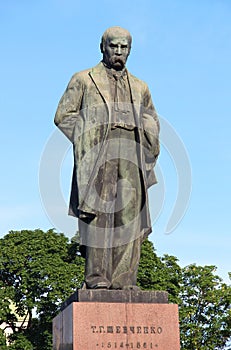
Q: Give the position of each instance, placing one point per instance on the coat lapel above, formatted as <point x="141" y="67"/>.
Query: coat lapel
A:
<point x="99" y="76"/>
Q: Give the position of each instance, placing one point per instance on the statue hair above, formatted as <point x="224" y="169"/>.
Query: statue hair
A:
<point x="114" y="31"/>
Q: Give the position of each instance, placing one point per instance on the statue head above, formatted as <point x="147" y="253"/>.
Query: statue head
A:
<point x="115" y="47"/>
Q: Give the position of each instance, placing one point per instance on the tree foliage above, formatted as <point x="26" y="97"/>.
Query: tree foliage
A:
<point x="159" y="273"/>
<point x="2" y="340"/>
<point x="203" y="299"/>
<point x="205" y="314"/>
<point x="38" y="271"/>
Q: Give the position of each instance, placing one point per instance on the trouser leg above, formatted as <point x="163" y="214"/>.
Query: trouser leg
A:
<point x="96" y="268"/>
<point x="97" y="255"/>
<point x="112" y="261"/>
<point x="125" y="264"/>
<point x="114" y="268"/>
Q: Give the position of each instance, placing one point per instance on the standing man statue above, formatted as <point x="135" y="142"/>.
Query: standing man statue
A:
<point x="108" y="115"/>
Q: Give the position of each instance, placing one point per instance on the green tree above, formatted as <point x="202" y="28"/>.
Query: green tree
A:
<point x="38" y="270"/>
<point x="159" y="273"/>
<point x="20" y="342"/>
<point x="203" y="299"/>
<point x="205" y="315"/>
<point x="2" y="340"/>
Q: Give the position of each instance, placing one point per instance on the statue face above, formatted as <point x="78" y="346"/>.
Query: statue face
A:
<point x="116" y="52"/>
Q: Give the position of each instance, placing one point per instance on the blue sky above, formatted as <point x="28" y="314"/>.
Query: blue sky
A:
<point x="182" y="49"/>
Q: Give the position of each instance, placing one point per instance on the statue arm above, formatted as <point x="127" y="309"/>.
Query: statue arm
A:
<point x="69" y="107"/>
<point x="151" y="129"/>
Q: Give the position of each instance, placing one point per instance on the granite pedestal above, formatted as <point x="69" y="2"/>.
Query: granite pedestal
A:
<point x="125" y="320"/>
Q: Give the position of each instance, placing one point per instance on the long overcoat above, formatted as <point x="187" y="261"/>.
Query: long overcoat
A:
<point x="84" y="116"/>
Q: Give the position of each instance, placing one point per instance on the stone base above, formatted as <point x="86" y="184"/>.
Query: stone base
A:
<point x="116" y="296"/>
<point x="117" y="325"/>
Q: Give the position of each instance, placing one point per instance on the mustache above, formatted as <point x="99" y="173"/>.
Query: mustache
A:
<point x="116" y="59"/>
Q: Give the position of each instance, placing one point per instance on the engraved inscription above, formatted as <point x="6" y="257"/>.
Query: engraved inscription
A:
<point x="131" y="345"/>
<point x="127" y="329"/>
<point x="151" y="333"/>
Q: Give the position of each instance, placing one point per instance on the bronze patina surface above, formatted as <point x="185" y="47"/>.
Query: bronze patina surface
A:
<point x="108" y="115"/>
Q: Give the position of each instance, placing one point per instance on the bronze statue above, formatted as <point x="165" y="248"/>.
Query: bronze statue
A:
<point x="108" y="115"/>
